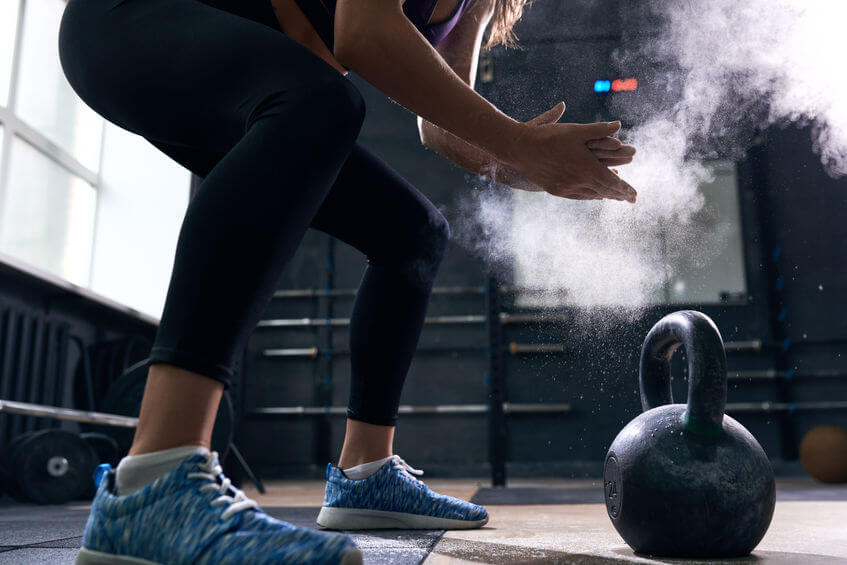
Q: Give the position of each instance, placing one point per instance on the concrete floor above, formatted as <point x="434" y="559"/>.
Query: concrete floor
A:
<point x="809" y="527"/>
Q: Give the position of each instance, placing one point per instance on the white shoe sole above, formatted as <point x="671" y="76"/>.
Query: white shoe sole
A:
<point x="363" y="519"/>
<point x="91" y="557"/>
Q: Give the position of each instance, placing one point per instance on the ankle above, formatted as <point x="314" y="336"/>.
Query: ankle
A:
<point x="144" y="447"/>
<point x="348" y="460"/>
<point x="364" y="443"/>
<point x="178" y="409"/>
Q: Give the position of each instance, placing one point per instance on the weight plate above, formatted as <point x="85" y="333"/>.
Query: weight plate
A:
<point x="107" y="451"/>
<point x="53" y="467"/>
<point x="9" y="477"/>
<point x="124" y="398"/>
<point x="104" y="446"/>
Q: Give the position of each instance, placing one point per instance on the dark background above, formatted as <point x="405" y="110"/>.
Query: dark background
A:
<point x="792" y="217"/>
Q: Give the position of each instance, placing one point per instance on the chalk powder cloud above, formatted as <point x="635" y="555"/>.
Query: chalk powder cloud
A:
<point x="742" y="66"/>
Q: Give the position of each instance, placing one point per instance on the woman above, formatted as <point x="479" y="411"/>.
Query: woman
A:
<point x="252" y="97"/>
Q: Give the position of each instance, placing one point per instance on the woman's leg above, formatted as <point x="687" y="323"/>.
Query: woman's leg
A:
<point x="404" y="236"/>
<point x="282" y="122"/>
<point x="186" y="74"/>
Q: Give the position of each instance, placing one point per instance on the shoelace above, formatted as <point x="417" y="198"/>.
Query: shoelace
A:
<point x="212" y="469"/>
<point x="398" y="463"/>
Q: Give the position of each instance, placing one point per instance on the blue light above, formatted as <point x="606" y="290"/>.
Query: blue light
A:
<point x="602" y="85"/>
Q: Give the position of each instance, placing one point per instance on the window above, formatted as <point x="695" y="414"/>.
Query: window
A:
<point x="699" y="262"/>
<point x="8" y="25"/>
<point x="43" y="98"/>
<point x="79" y="197"/>
<point x="48" y="215"/>
<point x="720" y="277"/>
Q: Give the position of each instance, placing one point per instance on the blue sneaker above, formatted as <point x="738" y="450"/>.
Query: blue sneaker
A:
<point x="192" y="514"/>
<point x="393" y="498"/>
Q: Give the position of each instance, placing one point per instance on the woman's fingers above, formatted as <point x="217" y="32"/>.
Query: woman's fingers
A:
<point x="614" y="185"/>
<point x="598" y="130"/>
<point x="616" y="162"/>
<point x="624" y="151"/>
<point x="607" y="143"/>
<point x="611" y="156"/>
<point x="584" y="195"/>
<point x="551" y="116"/>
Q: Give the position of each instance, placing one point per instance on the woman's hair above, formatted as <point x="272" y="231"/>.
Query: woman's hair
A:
<point x="506" y="13"/>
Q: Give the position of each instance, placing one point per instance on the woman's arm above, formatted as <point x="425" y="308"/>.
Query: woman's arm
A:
<point x="460" y="49"/>
<point x="377" y="41"/>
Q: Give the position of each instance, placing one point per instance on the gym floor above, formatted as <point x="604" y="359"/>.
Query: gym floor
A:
<point x="538" y="521"/>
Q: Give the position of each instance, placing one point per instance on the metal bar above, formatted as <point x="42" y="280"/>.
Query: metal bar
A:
<point x="504" y="318"/>
<point x="318" y="292"/>
<point x="323" y="369"/>
<point x="813" y="342"/>
<point x="524" y="348"/>
<point x="513" y="348"/>
<point x="760" y="345"/>
<point x="540" y="408"/>
<point x="750" y="345"/>
<point x="767" y="407"/>
<point x="532" y="318"/>
<point x="302" y="322"/>
<point x="312" y="322"/>
<point x="39" y="410"/>
<point x="310" y="352"/>
<point x="773" y="374"/>
<point x="472" y="290"/>
<point x="314" y="352"/>
<point x="528" y="408"/>
<point x="507" y="408"/>
<point x="497" y="391"/>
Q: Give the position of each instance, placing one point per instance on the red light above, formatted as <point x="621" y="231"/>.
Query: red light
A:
<point x="624" y="85"/>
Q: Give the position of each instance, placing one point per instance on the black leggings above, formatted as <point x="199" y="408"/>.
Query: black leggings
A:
<point x="272" y="130"/>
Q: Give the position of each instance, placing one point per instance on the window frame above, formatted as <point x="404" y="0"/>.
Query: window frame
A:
<point x="15" y="127"/>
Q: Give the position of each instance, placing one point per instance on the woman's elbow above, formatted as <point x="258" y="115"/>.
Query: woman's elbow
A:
<point x="425" y="132"/>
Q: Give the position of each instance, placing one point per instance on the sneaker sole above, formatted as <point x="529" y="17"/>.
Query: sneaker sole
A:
<point x="91" y="557"/>
<point x="364" y="519"/>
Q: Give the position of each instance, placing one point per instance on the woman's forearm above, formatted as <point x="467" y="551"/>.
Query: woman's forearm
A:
<point x="378" y="42"/>
<point x="455" y="149"/>
<point x="470" y="157"/>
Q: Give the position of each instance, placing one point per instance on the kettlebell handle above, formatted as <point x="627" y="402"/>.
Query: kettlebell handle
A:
<point x="706" y="368"/>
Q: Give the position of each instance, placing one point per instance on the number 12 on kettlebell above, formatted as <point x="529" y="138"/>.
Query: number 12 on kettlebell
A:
<point x="685" y="480"/>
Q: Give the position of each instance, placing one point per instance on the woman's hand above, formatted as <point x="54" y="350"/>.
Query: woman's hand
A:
<point x="504" y="174"/>
<point x="606" y="149"/>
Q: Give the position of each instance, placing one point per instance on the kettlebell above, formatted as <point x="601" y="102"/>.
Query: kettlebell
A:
<point x="685" y="480"/>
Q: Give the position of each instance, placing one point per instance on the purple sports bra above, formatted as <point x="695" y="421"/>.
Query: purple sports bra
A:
<point x="321" y="14"/>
